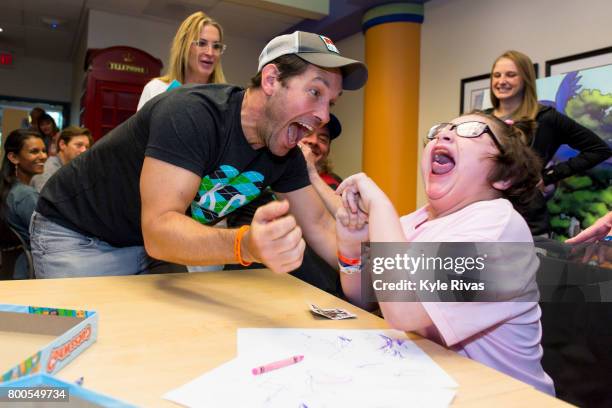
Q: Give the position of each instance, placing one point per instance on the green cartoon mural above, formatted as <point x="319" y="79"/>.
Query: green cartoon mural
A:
<point x="586" y="97"/>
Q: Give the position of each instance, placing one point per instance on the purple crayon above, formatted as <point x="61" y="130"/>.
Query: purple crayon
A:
<point x="276" y="365"/>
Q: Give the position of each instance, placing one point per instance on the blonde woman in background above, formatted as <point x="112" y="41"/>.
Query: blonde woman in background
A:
<point x="195" y="57"/>
<point x="514" y="97"/>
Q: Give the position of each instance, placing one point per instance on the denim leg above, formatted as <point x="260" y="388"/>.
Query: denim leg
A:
<point x="59" y="252"/>
<point x="21" y="267"/>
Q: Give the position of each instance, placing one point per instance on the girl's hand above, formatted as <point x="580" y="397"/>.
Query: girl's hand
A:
<point x="348" y="235"/>
<point x="361" y="191"/>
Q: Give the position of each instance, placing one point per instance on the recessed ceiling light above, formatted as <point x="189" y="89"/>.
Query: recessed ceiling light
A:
<point x="1" y="29"/>
<point x="52" y="23"/>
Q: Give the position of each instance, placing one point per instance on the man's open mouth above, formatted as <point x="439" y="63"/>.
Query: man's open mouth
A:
<point x="297" y="131"/>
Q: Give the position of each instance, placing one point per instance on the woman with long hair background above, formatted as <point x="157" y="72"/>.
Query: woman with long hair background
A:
<point x="513" y="96"/>
<point x="50" y="132"/>
<point x="195" y="57"/>
<point x="24" y="156"/>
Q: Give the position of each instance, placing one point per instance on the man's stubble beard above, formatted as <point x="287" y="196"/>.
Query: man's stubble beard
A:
<point x="271" y="119"/>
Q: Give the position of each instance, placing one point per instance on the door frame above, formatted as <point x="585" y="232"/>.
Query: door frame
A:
<point x="65" y="105"/>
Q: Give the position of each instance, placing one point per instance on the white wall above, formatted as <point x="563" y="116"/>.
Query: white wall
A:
<point x="346" y="151"/>
<point x="240" y="59"/>
<point x="108" y="30"/>
<point x="35" y="78"/>
<point x="461" y="38"/>
<point x="78" y="74"/>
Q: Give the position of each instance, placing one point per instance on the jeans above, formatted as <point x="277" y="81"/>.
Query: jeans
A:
<point x="60" y="252"/>
<point x="21" y="267"/>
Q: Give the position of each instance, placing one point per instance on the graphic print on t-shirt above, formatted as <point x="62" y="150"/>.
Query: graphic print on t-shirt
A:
<point x="225" y="191"/>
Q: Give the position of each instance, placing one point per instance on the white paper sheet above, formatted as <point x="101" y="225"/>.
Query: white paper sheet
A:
<point x="383" y="354"/>
<point x="357" y="368"/>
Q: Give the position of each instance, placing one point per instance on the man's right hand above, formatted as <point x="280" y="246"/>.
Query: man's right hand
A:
<point x="274" y="238"/>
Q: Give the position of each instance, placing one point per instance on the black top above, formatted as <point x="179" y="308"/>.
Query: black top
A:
<point x="555" y="129"/>
<point x="195" y="127"/>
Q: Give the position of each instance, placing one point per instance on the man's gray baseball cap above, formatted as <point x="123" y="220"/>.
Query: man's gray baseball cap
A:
<point x="317" y="50"/>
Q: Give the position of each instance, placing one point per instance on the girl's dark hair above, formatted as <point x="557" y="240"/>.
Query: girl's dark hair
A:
<point x="289" y="65"/>
<point x="13" y="144"/>
<point x="517" y="163"/>
<point x="45" y="117"/>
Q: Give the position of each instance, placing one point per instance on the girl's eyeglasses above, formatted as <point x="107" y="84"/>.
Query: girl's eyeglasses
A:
<point x="469" y="129"/>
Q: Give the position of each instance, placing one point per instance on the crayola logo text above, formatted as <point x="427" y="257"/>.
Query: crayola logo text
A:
<point x="66" y="349"/>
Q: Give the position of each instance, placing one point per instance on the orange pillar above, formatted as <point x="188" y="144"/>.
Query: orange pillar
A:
<point x="390" y="142"/>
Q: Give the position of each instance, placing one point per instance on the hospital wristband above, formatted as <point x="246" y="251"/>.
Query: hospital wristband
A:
<point x="349" y="266"/>
<point x="349" y="269"/>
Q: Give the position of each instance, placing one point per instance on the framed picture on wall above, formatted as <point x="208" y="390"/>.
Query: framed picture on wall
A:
<point x="475" y="92"/>
<point x="577" y="62"/>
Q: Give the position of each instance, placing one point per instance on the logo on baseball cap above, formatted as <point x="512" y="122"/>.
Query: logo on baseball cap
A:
<point x="317" y="50"/>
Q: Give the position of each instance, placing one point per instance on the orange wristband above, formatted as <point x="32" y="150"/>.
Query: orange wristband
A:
<point x="348" y="261"/>
<point x="241" y="231"/>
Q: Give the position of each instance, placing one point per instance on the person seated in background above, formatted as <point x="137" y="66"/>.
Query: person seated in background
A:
<point x="474" y="170"/>
<point x="48" y="129"/>
<point x="24" y="156"/>
<point x="31" y="122"/>
<point x="316" y="149"/>
<point x="195" y="57"/>
<point x="72" y="141"/>
<point x="319" y="147"/>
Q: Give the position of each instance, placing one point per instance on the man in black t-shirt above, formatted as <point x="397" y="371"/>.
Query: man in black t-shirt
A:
<point x="156" y="184"/>
<point x="316" y="148"/>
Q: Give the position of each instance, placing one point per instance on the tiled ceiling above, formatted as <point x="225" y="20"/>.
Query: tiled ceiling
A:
<point x="27" y="24"/>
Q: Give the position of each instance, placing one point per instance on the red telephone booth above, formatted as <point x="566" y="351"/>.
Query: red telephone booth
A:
<point x="112" y="86"/>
